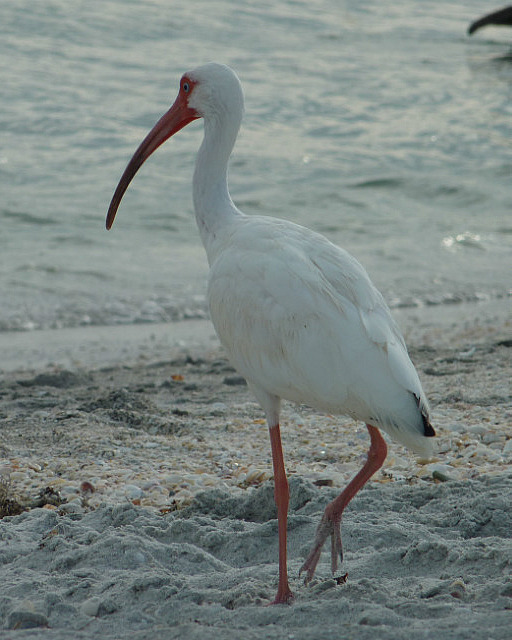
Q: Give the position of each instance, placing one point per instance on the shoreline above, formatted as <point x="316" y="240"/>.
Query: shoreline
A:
<point x="97" y="346"/>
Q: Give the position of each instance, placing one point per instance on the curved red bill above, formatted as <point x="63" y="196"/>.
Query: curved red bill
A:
<point x="178" y="116"/>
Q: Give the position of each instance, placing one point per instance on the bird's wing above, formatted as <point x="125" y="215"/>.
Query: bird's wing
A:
<point x="351" y="282"/>
<point x="300" y="318"/>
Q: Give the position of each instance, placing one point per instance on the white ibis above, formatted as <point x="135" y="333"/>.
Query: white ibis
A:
<point x="298" y="317"/>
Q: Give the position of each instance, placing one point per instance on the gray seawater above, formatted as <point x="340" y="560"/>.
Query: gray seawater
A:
<point x="382" y="125"/>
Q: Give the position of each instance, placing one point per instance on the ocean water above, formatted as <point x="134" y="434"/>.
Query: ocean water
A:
<point x="382" y="125"/>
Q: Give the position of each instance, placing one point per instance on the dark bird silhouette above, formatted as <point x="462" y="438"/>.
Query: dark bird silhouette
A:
<point x="500" y="17"/>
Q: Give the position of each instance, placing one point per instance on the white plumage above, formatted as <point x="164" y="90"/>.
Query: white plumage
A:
<point x="301" y="320"/>
<point x="298" y="317"/>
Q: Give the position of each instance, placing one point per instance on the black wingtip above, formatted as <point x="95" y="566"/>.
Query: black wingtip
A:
<point x="428" y="429"/>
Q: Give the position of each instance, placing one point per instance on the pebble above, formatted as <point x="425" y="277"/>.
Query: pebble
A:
<point x="75" y="506"/>
<point x="133" y="492"/>
<point x="467" y="354"/>
<point x="172" y="479"/>
<point x="151" y="485"/>
<point x="489" y="438"/>
<point x="26" y="619"/>
<point x="441" y="477"/>
<point x="456" y="428"/>
<point x="218" y="408"/>
<point x="507" y="449"/>
<point x="68" y="490"/>
<point x="139" y="558"/>
<point x="90" y="607"/>
<point x="297" y="419"/>
<point x="441" y="469"/>
<point x="441" y="472"/>
<point x="477" y="429"/>
<point x="17" y="475"/>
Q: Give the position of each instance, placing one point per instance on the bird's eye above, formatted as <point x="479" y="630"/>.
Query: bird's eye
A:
<point x="186" y="87"/>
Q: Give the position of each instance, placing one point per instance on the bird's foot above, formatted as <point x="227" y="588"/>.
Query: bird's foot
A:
<point x="329" y="525"/>
<point x="284" y="596"/>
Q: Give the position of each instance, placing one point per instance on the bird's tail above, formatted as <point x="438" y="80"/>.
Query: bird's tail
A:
<point x="416" y="434"/>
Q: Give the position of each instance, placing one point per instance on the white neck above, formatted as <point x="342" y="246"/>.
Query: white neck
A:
<point x="212" y="203"/>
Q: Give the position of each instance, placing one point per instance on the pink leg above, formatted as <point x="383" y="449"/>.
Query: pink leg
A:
<point x="281" y="496"/>
<point x="331" y="520"/>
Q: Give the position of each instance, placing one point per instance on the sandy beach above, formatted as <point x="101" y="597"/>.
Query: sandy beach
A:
<point x="136" y="487"/>
<point x="150" y="462"/>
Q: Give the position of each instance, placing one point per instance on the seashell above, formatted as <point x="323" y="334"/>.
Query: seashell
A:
<point x="87" y="487"/>
<point x="458" y="588"/>
<point x="133" y="492"/>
